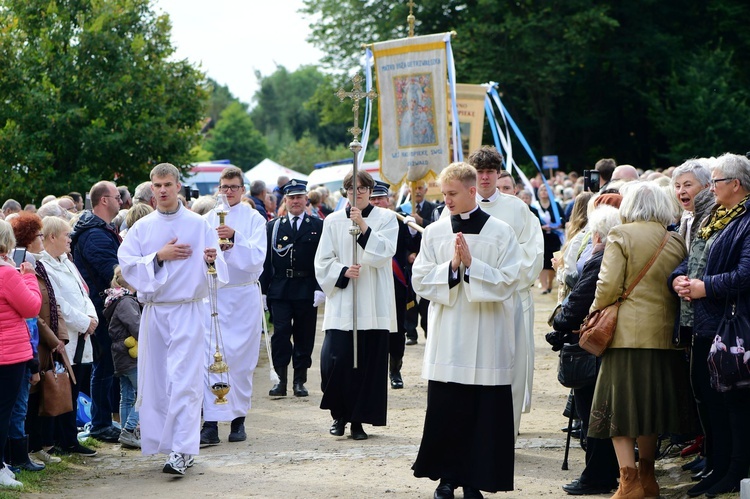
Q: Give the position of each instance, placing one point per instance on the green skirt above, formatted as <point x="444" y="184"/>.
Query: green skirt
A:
<point x="642" y="392"/>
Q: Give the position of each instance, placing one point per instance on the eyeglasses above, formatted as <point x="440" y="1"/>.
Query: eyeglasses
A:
<point x="118" y="197"/>
<point x="714" y="181"/>
<point x="233" y="188"/>
<point x="361" y="189"/>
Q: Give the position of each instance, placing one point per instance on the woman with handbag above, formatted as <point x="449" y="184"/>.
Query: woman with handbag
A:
<point x="601" y="471"/>
<point x="641" y="390"/>
<point x="714" y="279"/>
<point x="19" y="299"/>
<point x="79" y="315"/>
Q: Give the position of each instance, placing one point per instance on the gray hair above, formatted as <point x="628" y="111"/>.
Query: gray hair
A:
<point x="602" y="219"/>
<point x="257" y="188"/>
<point x="7" y="237"/>
<point x="54" y="226"/>
<point x="204" y="204"/>
<point x="11" y="205"/>
<point x="143" y="193"/>
<point x="165" y="170"/>
<point x="644" y="201"/>
<point x="52" y="209"/>
<point x="698" y="167"/>
<point x="734" y="166"/>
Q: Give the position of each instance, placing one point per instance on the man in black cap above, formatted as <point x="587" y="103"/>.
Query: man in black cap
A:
<point x="408" y="242"/>
<point x="289" y="284"/>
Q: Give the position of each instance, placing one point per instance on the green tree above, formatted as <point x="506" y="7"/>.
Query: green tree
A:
<point x="219" y="98"/>
<point x="235" y="138"/>
<point x="89" y="93"/>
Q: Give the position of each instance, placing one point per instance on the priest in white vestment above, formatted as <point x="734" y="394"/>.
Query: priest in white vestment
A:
<point x="469" y="268"/>
<point x="165" y="257"/>
<point x="240" y="308"/>
<point x="358" y="395"/>
<point x="489" y="162"/>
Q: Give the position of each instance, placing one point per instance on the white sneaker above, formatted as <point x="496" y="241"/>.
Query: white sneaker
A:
<point x="7" y="479"/>
<point x="175" y="465"/>
<point x="5" y="470"/>
<point x="189" y="460"/>
<point x="45" y="457"/>
<point x="130" y="438"/>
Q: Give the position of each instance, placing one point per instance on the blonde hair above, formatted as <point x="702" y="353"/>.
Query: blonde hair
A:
<point x="165" y="170"/>
<point x="7" y="237"/>
<point x="54" y="226"/>
<point x="460" y="171"/>
<point x="118" y="281"/>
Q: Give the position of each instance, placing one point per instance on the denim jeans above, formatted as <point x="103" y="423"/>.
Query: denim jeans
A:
<point x="101" y="379"/>
<point x="128" y="393"/>
<point x="18" y="415"/>
<point x="11" y="376"/>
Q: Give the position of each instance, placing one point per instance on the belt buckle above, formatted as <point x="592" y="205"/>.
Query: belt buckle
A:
<point x="290" y="272"/>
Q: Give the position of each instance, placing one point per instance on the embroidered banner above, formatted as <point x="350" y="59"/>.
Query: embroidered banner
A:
<point x="412" y="87"/>
<point x="470" y="104"/>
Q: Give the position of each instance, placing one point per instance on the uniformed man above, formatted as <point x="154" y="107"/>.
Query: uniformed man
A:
<point x="292" y="293"/>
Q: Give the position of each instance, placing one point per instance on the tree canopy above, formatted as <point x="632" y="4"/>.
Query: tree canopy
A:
<point x="89" y="92"/>
<point x="584" y="79"/>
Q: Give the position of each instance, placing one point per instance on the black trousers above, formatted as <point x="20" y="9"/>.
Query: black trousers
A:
<point x="293" y="320"/>
<point x="397" y="341"/>
<point x="601" y="461"/>
<point x="416" y="315"/>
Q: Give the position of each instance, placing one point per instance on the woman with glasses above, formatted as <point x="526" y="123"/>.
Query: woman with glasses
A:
<point x="357" y="395"/>
<point x="716" y="271"/>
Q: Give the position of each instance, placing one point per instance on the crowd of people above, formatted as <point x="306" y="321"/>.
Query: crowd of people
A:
<point x="123" y="291"/>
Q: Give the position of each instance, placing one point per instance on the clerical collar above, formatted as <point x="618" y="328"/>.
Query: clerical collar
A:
<point x="470" y="222"/>
<point x="365" y="212"/>
<point x="167" y="213"/>
<point x="490" y="199"/>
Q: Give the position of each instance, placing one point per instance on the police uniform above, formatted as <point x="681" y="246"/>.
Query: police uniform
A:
<point x="288" y="281"/>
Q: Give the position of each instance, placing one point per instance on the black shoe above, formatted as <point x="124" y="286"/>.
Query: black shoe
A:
<point x="109" y="434"/>
<point x="237" y="434"/>
<point x="79" y="449"/>
<point x="576" y="488"/>
<point x="727" y="485"/>
<point x="695" y="465"/>
<point x="299" y="390"/>
<point x="704" y="473"/>
<point x="210" y="434"/>
<point x="444" y="490"/>
<point x="411" y="341"/>
<point x="703" y="486"/>
<point x="338" y="427"/>
<point x="472" y="493"/>
<point x="358" y="433"/>
<point x="397" y="382"/>
<point x="278" y="390"/>
<point x="30" y="465"/>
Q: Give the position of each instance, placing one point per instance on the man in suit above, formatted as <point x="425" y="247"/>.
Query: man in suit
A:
<point x="423" y="215"/>
<point x="289" y="284"/>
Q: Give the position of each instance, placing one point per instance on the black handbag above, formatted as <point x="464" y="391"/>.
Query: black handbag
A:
<point x="728" y="362"/>
<point x="577" y="367"/>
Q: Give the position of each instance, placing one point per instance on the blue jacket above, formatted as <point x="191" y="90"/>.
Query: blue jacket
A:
<point x="94" y="246"/>
<point x="727" y="275"/>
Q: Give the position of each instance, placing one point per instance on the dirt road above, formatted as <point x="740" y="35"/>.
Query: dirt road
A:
<point x="289" y="453"/>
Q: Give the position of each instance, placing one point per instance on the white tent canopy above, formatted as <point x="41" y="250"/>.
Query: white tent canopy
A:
<point x="269" y="172"/>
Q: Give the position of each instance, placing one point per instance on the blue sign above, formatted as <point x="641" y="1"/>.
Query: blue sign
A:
<point x="550" y="163"/>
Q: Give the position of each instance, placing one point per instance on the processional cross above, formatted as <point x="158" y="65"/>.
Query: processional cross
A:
<point x="356" y="95"/>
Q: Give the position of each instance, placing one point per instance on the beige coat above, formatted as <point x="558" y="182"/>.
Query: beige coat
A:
<point x="646" y="319"/>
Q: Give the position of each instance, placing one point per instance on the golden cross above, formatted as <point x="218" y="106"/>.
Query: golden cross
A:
<point x="356" y="95"/>
<point x="410" y="19"/>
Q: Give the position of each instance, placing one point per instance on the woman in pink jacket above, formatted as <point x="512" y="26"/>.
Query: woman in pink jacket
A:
<point x="19" y="298"/>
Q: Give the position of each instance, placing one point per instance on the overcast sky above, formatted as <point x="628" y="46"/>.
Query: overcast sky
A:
<point x="230" y="39"/>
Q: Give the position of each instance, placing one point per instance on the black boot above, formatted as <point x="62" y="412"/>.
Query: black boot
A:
<point x="300" y="378"/>
<point x="19" y="455"/>
<point x="237" y="433"/>
<point x="279" y="389"/>
<point x="210" y="433"/>
<point x="395" y="372"/>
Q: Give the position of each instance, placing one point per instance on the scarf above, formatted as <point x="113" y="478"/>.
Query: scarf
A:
<point x="721" y="217"/>
<point x="114" y="294"/>
<point x="53" y="319"/>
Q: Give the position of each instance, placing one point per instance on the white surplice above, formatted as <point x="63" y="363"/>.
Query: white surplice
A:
<point x="376" y="302"/>
<point x="472" y="325"/>
<point x="171" y="347"/>
<point x="240" y="309"/>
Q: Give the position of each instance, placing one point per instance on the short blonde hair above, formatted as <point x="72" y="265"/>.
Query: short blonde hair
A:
<point x="463" y="172"/>
<point x="118" y="281"/>
<point x="54" y="226"/>
<point x="165" y="170"/>
<point x="136" y="212"/>
<point x="7" y="238"/>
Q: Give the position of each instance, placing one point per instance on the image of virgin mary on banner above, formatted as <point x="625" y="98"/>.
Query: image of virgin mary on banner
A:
<point x="412" y="85"/>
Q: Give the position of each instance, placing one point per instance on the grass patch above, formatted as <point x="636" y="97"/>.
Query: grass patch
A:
<point x="37" y="481"/>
